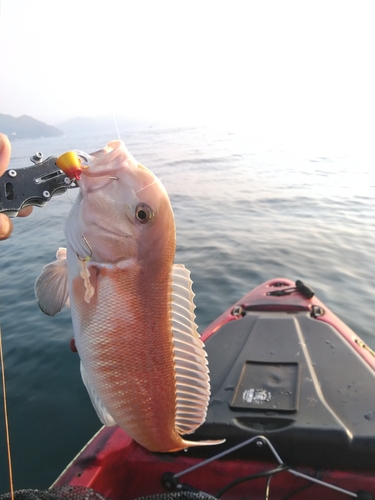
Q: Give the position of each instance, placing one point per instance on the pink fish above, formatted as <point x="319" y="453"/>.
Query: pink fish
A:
<point x="142" y="361"/>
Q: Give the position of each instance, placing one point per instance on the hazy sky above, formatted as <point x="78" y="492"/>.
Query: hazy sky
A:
<point x="259" y="63"/>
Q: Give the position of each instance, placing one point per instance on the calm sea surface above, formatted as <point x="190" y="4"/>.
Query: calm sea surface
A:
<point x="248" y="208"/>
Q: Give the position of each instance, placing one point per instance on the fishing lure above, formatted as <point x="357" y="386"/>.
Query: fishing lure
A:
<point x="71" y="164"/>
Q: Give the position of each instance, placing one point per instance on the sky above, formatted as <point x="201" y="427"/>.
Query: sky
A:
<point x="278" y="64"/>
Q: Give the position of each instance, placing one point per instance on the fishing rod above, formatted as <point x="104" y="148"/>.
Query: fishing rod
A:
<point x="7" y="436"/>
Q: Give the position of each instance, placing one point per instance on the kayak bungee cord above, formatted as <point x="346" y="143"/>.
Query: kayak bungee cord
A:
<point x="170" y="480"/>
<point x="6" y="418"/>
<point x="267" y="473"/>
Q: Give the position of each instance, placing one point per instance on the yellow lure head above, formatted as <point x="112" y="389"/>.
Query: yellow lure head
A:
<point x="70" y="164"/>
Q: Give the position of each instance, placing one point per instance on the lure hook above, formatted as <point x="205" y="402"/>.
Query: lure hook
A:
<point x="85" y="259"/>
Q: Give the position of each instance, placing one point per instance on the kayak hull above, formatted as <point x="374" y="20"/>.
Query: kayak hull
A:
<point x="118" y="468"/>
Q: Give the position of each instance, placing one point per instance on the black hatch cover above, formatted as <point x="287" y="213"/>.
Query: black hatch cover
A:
<point x="295" y="380"/>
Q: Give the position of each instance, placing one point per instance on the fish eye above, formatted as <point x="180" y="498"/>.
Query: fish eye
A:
<point x="143" y="213"/>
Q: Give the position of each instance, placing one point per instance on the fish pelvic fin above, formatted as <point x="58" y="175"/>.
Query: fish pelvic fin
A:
<point x="51" y="287"/>
<point x="192" y="380"/>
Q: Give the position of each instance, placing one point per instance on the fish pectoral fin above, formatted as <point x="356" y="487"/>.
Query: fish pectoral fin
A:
<point x="192" y="380"/>
<point x="51" y="287"/>
<point x="104" y="416"/>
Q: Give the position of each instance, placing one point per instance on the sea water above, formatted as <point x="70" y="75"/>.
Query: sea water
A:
<point x="249" y="207"/>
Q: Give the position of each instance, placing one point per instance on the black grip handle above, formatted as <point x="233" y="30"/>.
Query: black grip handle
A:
<point x="33" y="185"/>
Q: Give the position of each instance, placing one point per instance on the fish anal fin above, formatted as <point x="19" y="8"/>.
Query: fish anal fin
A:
<point x="51" y="287"/>
<point x="190" y="358"/>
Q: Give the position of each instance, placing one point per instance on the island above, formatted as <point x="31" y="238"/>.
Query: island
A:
<point x="26" y="127"/>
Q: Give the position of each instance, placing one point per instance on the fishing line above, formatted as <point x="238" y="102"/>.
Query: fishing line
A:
<point x="117" y="130"/>
<point x="6" y="417"/>
<point x="148" y="185"/>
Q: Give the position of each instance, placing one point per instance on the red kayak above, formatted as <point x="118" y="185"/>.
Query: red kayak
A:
<point x="293" y="394"/>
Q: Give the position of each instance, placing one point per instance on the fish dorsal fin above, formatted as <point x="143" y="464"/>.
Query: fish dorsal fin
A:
<point x="102" y="412"/>
<point x="192" y="380"/>
<point x="51" y="287"/>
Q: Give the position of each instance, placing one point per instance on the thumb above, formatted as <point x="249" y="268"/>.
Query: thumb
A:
<point x="4" y="153"/>
<point x="6" y="227"/>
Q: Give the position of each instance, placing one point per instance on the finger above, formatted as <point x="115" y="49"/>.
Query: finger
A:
<point x="6" y="227"/>
<point x="25" y="212"/>
<point x="4" y="153"/>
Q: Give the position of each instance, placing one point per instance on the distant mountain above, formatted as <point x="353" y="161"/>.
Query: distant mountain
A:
<point x="26" y="127"/>
<point x="81" y="125"/>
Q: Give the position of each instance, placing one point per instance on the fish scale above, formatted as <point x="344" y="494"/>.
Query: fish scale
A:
<point x="127" y="372"/>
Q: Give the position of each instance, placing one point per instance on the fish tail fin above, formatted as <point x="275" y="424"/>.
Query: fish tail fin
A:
<point x="191" y="444"/>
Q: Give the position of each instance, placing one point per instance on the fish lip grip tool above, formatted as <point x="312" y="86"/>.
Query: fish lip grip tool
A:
<point x="36" y="184"/>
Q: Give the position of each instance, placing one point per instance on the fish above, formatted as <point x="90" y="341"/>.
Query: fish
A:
<point x="141" y="358"/>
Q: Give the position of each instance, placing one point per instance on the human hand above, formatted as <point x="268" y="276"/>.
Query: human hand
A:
<point x="6" y="226"/>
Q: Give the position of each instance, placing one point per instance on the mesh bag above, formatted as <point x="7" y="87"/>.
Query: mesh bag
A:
<point x="81" y="493"/>
<point x="63" y="493"/>
<point x="180" y="495"/>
